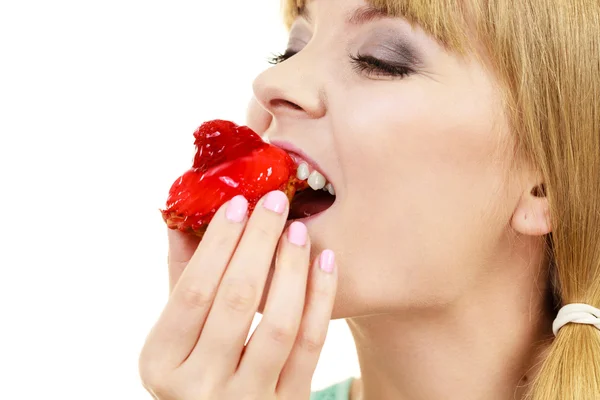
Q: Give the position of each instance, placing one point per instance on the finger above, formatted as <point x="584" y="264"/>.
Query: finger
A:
<point x="181" y="248"/>
<point x="295" y="378"/>
<point x="272" y="341"/>
<point x="178" y="327"/>
<point x="239" y="294"/>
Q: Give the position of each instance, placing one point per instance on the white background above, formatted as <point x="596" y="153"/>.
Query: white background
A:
<point x="98" y="103"/>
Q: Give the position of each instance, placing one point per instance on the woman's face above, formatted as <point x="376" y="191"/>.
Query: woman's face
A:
<point x="415" y="142"/>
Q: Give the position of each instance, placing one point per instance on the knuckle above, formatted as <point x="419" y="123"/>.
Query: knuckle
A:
<point x="243" y="391"/>
<point x="161" y="393"/>
<point x="263" y="232"/>
<point x="281" y="334"/>
<point x="239" y="296"/>
<point x="247" y="396"/>
<point x="153" y="380"/>
<point x="197" y="391"/>
<point x="218" y="242"/>
<point x="166" y="385"/>
<point x="310" y="343"/>
<point x="321" y="293"/>
<point x="148" y="368"/>
<point x="196" y="297"/>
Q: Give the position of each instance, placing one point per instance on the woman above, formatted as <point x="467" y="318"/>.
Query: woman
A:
<point x="462" y="141"/>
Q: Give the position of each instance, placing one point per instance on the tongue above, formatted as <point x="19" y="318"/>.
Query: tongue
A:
<point x="310" y="202"/>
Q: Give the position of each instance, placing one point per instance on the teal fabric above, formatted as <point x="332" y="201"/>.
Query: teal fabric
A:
<point x="339" y="391"/>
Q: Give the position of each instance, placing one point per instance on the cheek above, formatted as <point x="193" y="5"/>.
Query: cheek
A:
<point x="416" y="124"/>
<point x="418" y="140"/>
<point x="420" y="157"/>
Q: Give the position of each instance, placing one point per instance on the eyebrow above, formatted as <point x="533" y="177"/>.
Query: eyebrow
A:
<point x="303" y="12"/>
<point x="359" y="16"/>
<point x="365" y="14"/>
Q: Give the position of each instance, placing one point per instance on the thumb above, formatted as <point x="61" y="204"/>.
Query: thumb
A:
<point x="181" y="248"/>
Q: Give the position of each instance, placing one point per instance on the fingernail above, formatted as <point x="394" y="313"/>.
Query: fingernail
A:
<point x="327" y="261"/>
<point x="297" y="233"/>
<point x="276" y="202"/>
<point x="237" y="208"/>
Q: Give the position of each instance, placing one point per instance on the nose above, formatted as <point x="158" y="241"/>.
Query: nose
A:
<point x="292" y="88"/>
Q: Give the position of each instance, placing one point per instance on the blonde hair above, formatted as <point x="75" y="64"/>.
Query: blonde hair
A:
<point x="546" y="55"/>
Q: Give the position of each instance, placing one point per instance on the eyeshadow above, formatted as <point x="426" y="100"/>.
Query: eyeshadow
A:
<point x="299" y="36"/>
<point x="391" y="46"/>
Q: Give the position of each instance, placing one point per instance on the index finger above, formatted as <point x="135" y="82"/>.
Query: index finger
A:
<point x="181" y="249"/>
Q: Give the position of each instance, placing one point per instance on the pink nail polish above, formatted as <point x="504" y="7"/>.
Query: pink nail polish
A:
<point x="297" y="233"/>
<point x="237" y="209"/>
<point x="276" y="201"/>
<point x="327" y="261"/>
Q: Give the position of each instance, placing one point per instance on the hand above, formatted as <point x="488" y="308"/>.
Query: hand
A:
<point x="196" y="349"/>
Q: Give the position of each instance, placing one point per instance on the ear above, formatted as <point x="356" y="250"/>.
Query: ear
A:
<point x="532" y="214"/>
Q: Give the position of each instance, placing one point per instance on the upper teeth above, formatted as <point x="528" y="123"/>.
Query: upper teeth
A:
<point x="330" y="189"/>
<point x="316" y="180"/>
<point x="303" y="172"/>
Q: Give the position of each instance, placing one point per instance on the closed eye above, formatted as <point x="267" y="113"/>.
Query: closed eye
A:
<point x="278" y="58"/>
<point x="373" y="66"/>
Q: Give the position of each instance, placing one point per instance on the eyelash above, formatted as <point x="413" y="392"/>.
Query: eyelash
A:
<point x="278" y="58"/>
<point x="367" y="65"/>
<point x="372" y="66"/>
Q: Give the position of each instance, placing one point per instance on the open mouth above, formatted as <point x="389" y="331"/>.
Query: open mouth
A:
<point x="232" y="160"/>
<point x="314" y="193"/>
<point x="310" y="202"/>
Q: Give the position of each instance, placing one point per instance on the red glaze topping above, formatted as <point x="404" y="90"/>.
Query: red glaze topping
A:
<point x="230" y="160"/>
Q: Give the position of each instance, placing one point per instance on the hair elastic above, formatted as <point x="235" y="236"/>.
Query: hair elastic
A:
<point x="576" y="313"/>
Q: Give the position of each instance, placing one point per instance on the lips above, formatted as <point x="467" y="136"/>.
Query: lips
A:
<point x="232" y="160"/>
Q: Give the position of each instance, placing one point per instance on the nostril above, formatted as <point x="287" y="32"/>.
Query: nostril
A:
<point x="539" y="191"/>
<point x="285" y="103"/>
